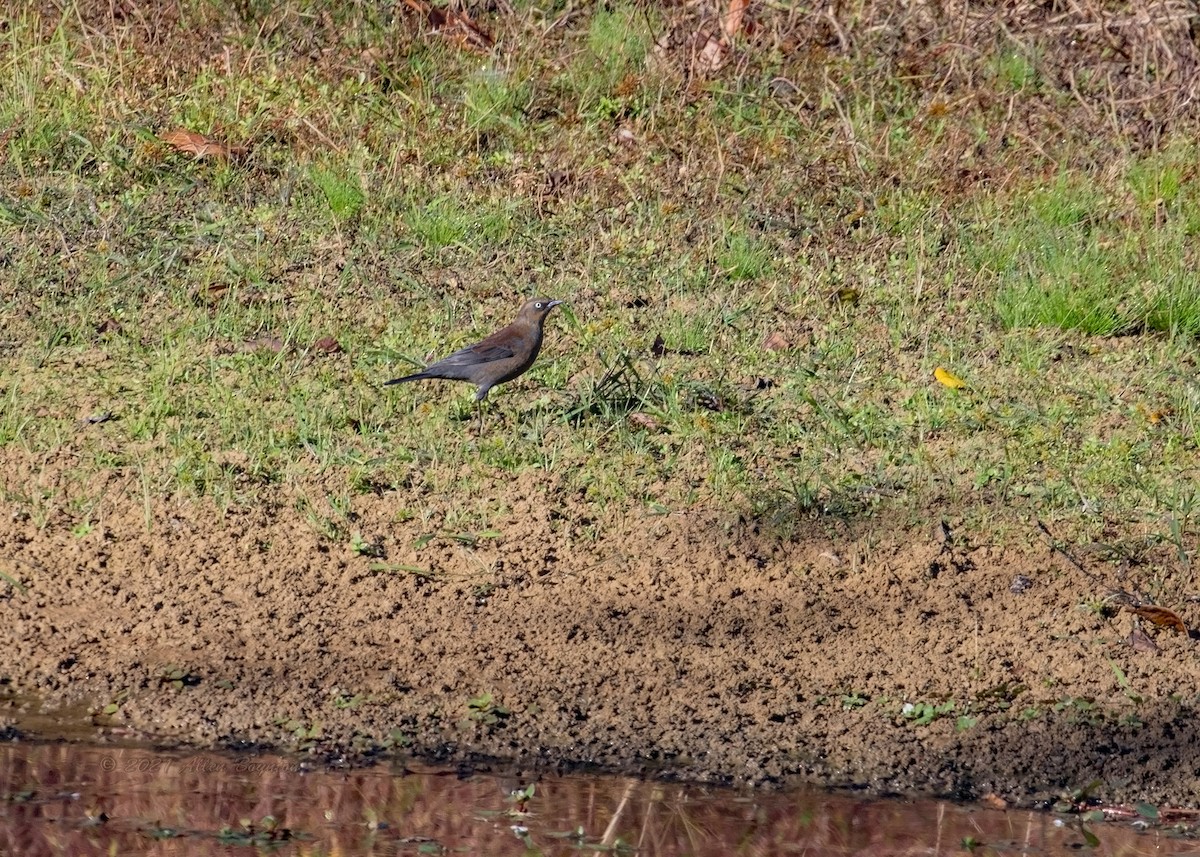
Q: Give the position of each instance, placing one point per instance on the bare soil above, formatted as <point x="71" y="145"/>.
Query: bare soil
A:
<point x="692" y="645"/>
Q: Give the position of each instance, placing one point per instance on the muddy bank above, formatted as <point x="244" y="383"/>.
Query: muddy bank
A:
<point x="695" y="645"/>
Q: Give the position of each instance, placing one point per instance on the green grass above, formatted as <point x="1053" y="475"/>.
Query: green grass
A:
<point x="404" y="196"/>
<point x="1088" y="258"/>
<point x="342" y="192"/>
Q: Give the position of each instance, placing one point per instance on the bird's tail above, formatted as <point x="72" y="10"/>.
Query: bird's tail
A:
<point x="416" y="376"/>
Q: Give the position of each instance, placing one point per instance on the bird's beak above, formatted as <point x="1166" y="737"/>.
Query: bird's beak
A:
<point x="552" y="304"/>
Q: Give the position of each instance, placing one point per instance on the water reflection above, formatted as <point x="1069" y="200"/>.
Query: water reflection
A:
<point x="71" y="799"/>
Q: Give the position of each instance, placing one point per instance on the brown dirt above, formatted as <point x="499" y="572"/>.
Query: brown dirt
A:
<point x="688" y="645"/>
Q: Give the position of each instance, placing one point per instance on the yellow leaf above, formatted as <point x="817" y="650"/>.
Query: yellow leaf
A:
<point x="948" y="380"/>
<point x="1154" y="417"/>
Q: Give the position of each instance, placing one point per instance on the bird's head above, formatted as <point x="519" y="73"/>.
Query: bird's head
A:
<point x="537" y="309"/>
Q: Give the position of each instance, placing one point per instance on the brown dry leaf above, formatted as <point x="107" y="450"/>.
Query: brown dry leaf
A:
<point x="994" y="801"/>
<point x="197" y="144"/>
<point x="731" y="21"/>
<point x="454" y="25"/>
<point x="644" y="421"/>
<point x="1139" y="641"/>
<point x="263" y="343"/>
<point x="1160" y="616"/>
<point x="629" y="85"/>
<point x="776" y="341"/>
<point x="466" y="32"/>
<point x="328" y="344"/>
<point x="712" y="56"/>
<point x="212" y="294"/>
<point x="95" y="418"/>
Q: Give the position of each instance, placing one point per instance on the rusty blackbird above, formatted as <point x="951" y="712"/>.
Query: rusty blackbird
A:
<point x="500" y="357"/>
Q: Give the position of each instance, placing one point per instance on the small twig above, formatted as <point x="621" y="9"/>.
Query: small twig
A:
<point x="328" y="142"/>
<point x="610" y="832"/>
<point x="847" y="124"/>
<point x="720" y="165"/>
<point x="843" y="41"/>
<point x="562" y="19"/>
<point x="1057" y="547"/>
<point x="654" y="37"/>
<point x="1079" y="95"/>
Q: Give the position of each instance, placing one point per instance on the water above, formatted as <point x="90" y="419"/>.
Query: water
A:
<point x="58" y="798"/>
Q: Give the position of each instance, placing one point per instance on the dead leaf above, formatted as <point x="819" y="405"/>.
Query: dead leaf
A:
<point x="776" y="341"/>
<point x="712" y="56"/>
<point x="629" y="85"/>
<point x="453" y="24"/>
<point x="1139" y="641"/>
<point x="855" y="217"/>
<point x="556" y="180"/>
<point x="192" y="143"/>
<point x="212" y="294"/>
<point x="847" y="295"/>
<point x="328" y="344"/>
<point x="644" y="421"/>
<point x="994" y="801"/>
<point x="1020" y="584"/>
<point x="731" y="21"/>
<point x="948" y="379"/>
<point x="96" y="418"/>
<point x="263" y="343"/>
<point x="109" y="325"/>
<point x="1154" y="416"/>
<point x="1160" y="616"/>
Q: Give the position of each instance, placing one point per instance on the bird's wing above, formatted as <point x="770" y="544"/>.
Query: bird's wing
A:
<point x="473" y="355"/>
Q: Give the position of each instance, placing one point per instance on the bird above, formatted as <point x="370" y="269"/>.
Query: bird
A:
<point x="495" y="359"/>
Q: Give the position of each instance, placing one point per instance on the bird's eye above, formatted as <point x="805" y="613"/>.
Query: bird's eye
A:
<point x="539" y="305"/>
